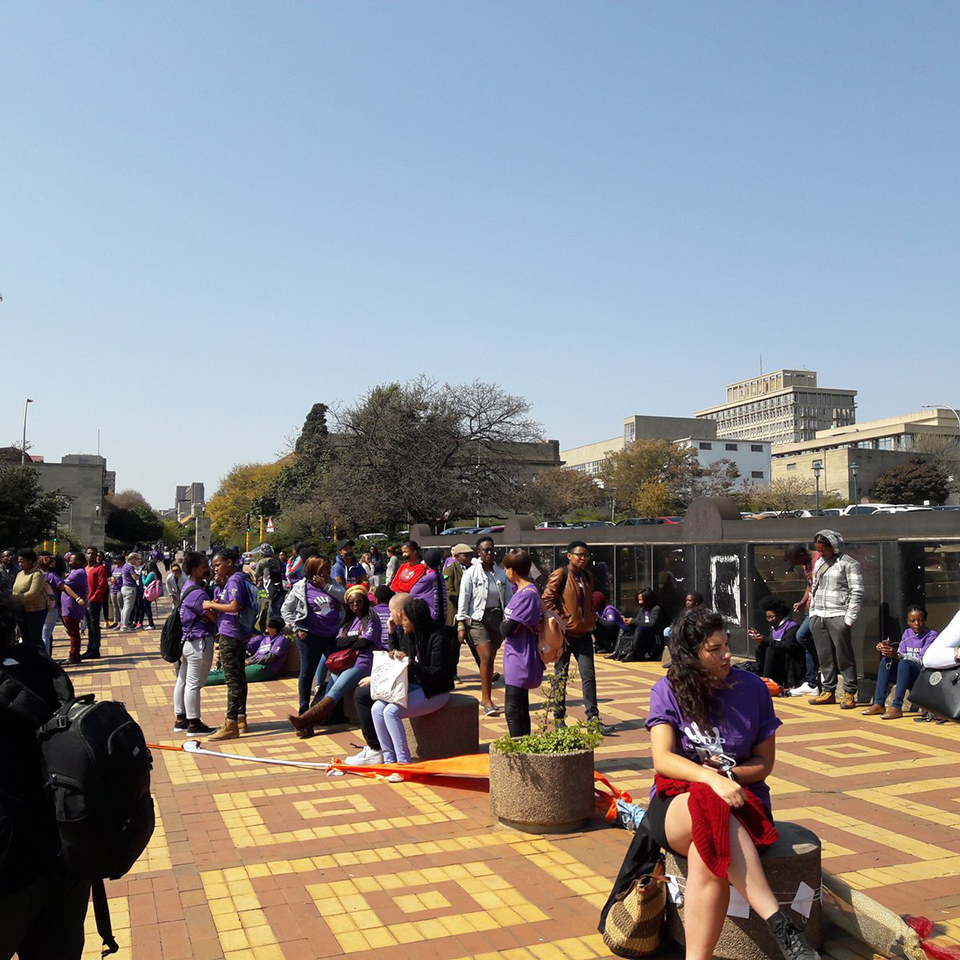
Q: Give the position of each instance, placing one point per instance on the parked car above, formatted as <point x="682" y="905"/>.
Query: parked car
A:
<point x="863" y="509"/>
<point x="904" y="509"/>
<point x="582" y="524"/>
<point x="639" y="521"/>
<point x="552" y="525"/>
<point x="947" y="506"/>
<point x="372" y="536"/>
<point x="453" y="531"/>
<point x="671" y="519"/>
<point x="497" y="529"/>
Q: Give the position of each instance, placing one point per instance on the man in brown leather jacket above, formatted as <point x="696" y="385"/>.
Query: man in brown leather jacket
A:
<point x="569" y="591"/>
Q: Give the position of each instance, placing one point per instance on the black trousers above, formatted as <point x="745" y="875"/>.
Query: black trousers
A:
<point x="93" y="627"/>
<point x="580" y="647"/>
<point x="44" y="921"/>
<point x="364" y="704"/>
<point x="516" y="708"/>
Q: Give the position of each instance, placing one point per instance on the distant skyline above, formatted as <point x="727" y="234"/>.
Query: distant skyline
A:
<point x="216" y="214"/>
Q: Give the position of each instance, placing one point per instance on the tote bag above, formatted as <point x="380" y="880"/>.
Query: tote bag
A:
<point x="389" y="679"/>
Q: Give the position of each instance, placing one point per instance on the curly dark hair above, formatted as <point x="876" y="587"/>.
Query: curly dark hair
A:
<point x="695" y="688"/>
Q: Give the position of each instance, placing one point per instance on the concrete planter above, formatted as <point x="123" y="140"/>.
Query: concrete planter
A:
<point x="541" y="792"/>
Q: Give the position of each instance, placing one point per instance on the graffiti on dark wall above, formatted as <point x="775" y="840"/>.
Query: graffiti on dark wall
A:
<point x="725" y="586"/>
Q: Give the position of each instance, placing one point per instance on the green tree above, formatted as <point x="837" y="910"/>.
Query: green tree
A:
<point x="174" y="533"/>
<point x="27" y="512"/>
<point x="139" y="524"/>
<point x="239" y="494"/>
<point x="650" y="477"/>
<point x="300" y="474"/>
<point x="912" y="482"/>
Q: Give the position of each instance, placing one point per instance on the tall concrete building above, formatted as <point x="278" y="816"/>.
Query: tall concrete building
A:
<point x="787" y="406"/>
<point x="188" y="498"/>
<point x="85" y="478"/>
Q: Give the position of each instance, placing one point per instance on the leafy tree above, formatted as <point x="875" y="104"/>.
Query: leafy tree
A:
<point x="239" y="494"/>
<point x="424" y="451"/>
<point x="139" y="524"/>
<point x="27" y="512"/>
<point x="300" y="475"/>
<point x="174" y="533"/>
<point x="552" y="494"/>
<point x="128" y="499"/>
<point x="651" y="477"/>
<point x="912" y="482"/>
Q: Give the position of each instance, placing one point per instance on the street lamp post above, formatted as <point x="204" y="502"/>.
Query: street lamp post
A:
<point x="23" y="448"/>
<point x="817" y="467"/>
<point x="854" y="467"/>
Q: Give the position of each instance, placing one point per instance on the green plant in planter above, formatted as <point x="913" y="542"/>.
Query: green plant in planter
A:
<point x="550" y="736"/>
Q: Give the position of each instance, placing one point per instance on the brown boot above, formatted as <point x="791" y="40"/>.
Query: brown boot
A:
<point x="848" y="701"/>
<point x="228" y="731"/>
<point x="827" y="696"/>
<point x="892" y="714"/>
<point x="874" y="710"/>
<point x="242" y="723"/>
<point x="316" y="715"/>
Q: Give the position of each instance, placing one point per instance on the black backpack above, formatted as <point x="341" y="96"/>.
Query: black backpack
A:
<point x="97" y="777"/>
<point x="171" y="633"/>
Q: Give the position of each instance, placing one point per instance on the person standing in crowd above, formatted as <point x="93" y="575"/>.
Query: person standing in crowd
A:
<point x="129" y="578"/>
<point x="150" y="574"/>
<point x="346" y="570"/>
<point x="270" y="576"/>
<point x="8" y="570"/>
<point x="713" y="734"/>
<point x="431" y="587"/>
<point x="798" y="555"/>
<point x="30" y="596"/>
<point x="369" y="573"/>
<point x="105" y="610"/>
<point x="116" y="586"/>
<point x="393" y="565"/>
<point x="484" y="592"/>
<point x="229" y="599"/>
<point x="360" y="635"/>
<point x="835" y="600"/>
<point x="430" y="681"/>
<point x="199" y="629"/>
<point x="175" y="582"/>
<point x="411" y="570"/>
<point x="42" y="909"/>
<point x="314" y="616"/>
<point x="779" y="657"/>
<point x="522" y="666"/>
<point x="379" y="565"/>
<point x="97" y="586"/>
<point x="73" y="602"/>
<point x="461" y="556"/>
<point x="295" y="564"/>
<point x="901" y="665"/>
<point x="569" y="593"/>
<point x="53" y="572"/>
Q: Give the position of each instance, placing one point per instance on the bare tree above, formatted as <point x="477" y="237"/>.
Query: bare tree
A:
<point x="945" y="453"/>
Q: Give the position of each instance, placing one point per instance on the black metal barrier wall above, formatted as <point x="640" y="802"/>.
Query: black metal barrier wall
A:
<point x="907" y="558"/>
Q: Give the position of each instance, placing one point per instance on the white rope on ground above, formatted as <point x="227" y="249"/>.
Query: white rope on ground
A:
<point x="193" y="746"/>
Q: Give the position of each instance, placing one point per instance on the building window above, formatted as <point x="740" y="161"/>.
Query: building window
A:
<point x="706" y="446"/>
<point x="791" y="466"/>
<point x="756" y="474"/>
<point x="731" y="446"/>
<point x="756" y="448"/>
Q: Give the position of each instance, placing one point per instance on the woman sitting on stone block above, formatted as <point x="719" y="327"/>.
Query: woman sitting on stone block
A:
<point x="713" y="740"/>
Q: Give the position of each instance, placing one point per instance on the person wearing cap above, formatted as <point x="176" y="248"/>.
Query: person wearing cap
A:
<point x="836" y="595"/>
<point x="363" y="635"/>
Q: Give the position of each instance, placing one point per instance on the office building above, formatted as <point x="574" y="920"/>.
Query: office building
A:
<point x="86" y="480"/>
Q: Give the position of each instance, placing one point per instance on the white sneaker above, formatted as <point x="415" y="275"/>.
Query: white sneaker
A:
<point x="395" y="778"/>
<point x="805" y="689"/>
<point x="366" y="757"/>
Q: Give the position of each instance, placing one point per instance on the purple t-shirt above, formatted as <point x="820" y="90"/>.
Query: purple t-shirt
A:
<point x="274" y="648"/>
<point x="613" y="616"/>
<point x="914" y="646"/>
<point x="53" y="579"/>
<point x="745" y="718"/>
<point x="77" y="581"/>
<point x="323" y="612"/>
<point x="426" y="589"/>
<point x="370" y="631"/>
<point x="382" y="610"/>
<point x="128" y="575"/>
<point x="228" y="624"/>
<point x="522" y="666"/>
<point x="191" y="614"/>
<point x="116" y="579"/>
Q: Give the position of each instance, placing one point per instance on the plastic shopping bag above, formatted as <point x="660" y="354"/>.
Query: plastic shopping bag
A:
<point x="389" y="680"/>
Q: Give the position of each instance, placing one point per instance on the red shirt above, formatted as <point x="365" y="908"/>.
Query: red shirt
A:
<point x="97" y="580"/>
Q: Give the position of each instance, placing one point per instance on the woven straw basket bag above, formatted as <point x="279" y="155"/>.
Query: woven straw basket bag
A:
<point x="634" y="924"/>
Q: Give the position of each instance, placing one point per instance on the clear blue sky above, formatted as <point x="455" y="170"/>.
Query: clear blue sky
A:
<point x="216" y="213"/>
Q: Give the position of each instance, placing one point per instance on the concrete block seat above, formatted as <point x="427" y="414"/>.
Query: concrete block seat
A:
<point x="792" y="860"/>
<point x="451" y="731"/>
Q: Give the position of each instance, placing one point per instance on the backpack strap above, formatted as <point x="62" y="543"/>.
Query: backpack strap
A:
<point x="101" y="910"/>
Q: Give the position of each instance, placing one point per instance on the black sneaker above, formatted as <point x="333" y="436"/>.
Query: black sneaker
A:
<point x="790" y="939"/>
<point x="90" y="655"/>
<point x="607" y="729"/>
<point x="181" y="725"/>
<point x="199" y="727"/>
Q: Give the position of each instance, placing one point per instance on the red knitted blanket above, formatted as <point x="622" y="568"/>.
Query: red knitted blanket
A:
<point x="711" y="821"/>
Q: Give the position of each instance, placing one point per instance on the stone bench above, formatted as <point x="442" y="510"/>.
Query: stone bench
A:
<point x="793" y="859"/>
<point x="451" y="731"/>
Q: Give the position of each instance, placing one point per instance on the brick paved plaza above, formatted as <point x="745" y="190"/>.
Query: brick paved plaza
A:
<point x="253" y="862"/>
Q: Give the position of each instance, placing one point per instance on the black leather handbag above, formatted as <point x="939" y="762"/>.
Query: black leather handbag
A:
<point x="938" y="691"/>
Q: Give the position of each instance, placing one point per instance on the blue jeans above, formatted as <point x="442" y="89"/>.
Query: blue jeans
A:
<point x="388" y="721"/>
<point x="805" y="639"/>
<point x="906" y="673"/>
<point x="312" y="650"/>
<point x="48" y="627"/>
<point x="343" y="684"/>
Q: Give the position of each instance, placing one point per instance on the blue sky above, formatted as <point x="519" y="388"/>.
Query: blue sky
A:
<point x="216" y="213"/>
